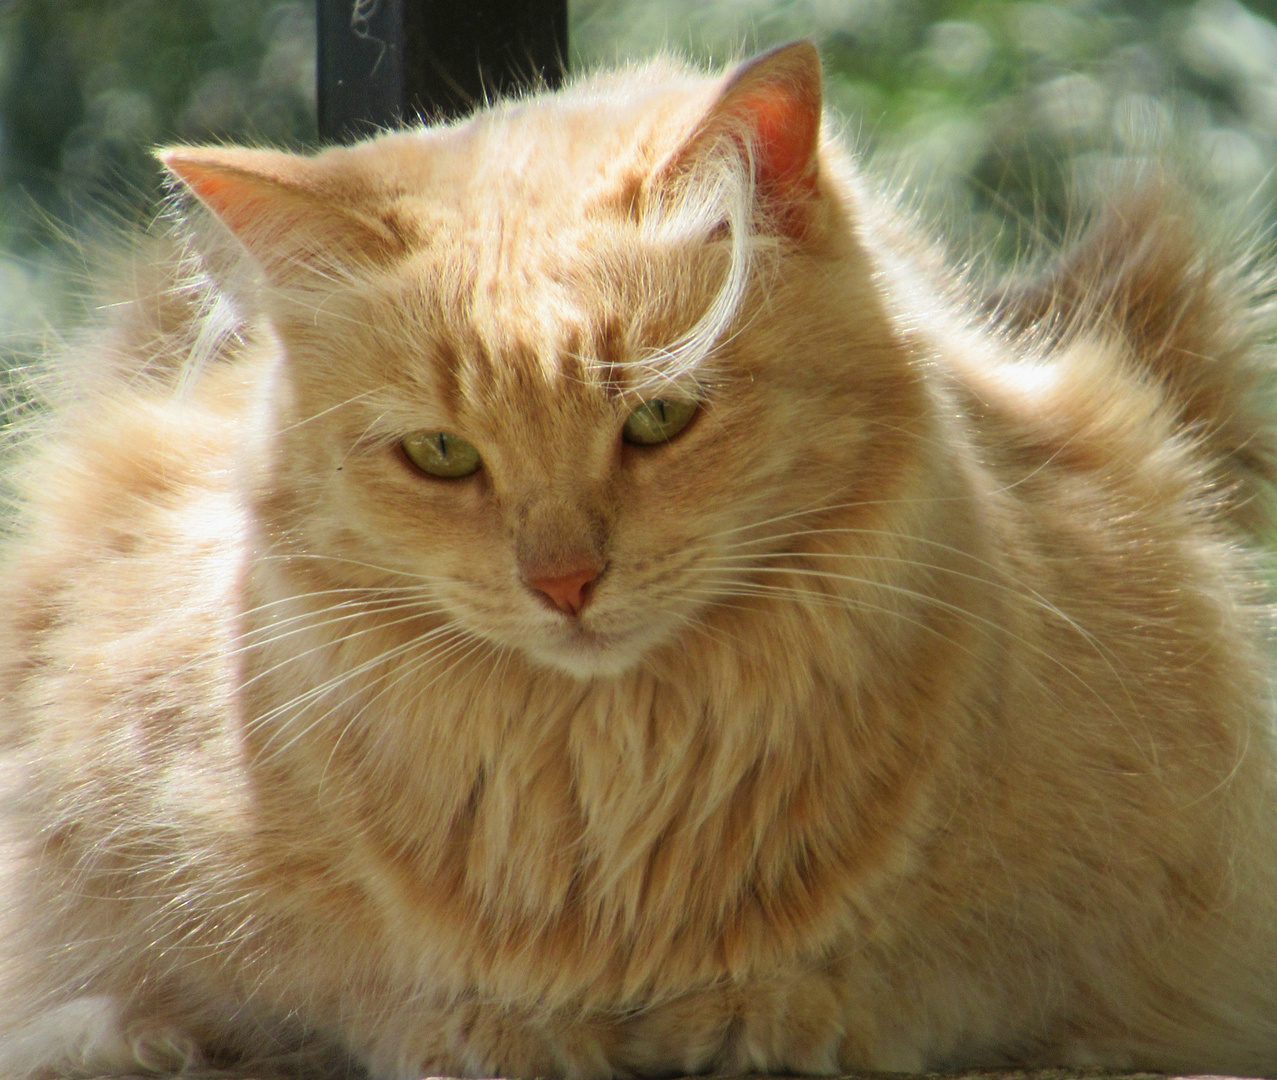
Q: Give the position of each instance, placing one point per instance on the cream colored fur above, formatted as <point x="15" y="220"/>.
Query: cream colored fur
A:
<point x="920" y="717"/>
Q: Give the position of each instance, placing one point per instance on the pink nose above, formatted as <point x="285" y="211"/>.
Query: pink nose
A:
<point x="569" y="592"/>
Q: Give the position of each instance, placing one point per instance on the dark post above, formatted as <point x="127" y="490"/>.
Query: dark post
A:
<point x="383" y="62"/>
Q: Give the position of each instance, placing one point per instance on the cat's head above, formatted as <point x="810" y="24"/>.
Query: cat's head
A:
<point x="577" y="367"/>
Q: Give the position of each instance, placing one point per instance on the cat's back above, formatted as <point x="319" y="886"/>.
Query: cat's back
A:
<point x="123" y="560"/>
<point x="119" y="643"/>
<point x="1140" y="356"/>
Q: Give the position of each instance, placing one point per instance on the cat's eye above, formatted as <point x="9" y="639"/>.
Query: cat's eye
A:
<point x="440" y="453"/>
<point x="658" y="420"/>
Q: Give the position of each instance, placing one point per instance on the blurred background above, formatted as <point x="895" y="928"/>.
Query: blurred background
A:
<point x="1007" y="115"/>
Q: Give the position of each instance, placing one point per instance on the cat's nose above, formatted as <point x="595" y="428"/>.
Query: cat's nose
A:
<point x="568" y="592"/>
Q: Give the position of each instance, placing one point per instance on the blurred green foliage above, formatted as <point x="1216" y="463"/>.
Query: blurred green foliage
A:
<point x="1007" y="112"/>
<point x="88" y="87"/>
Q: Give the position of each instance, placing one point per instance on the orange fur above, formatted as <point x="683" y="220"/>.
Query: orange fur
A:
<point x="919" y="717"/>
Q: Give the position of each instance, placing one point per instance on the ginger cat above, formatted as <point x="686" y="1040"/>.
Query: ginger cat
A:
<point x="583" y="592"/>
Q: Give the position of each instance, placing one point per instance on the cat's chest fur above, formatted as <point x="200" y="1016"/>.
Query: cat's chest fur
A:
<point x="606" y="842"/>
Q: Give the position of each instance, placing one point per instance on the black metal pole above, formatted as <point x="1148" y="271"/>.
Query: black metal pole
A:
<point x="384" y="62"/>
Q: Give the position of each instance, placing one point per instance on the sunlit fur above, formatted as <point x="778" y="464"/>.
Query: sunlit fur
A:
<point x="919" y="718"/>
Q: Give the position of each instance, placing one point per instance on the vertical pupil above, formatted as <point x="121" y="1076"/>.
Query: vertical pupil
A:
<point x="443" y="445"/>
<point x="660" y="408"/>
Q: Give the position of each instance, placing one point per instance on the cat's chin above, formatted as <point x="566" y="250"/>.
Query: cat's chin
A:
<point x="586" y="654"/>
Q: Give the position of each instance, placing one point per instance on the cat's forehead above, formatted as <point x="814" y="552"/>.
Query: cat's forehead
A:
<point x="496" y="332"/>
<point x="549" y="158"/>
<point x="517" y="274"/>
<point x="529" y="261"/>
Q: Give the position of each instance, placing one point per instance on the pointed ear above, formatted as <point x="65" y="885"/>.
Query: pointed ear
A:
<point x="281" y="209"/>
<point x="771" y="105"/>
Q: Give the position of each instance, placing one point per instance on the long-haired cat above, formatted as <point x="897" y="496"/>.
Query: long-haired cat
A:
<point x="581" y="592"/>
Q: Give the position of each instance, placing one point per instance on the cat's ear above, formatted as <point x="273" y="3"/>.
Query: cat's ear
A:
<point x="769" y="106"/>
<point x="281" y="208"/>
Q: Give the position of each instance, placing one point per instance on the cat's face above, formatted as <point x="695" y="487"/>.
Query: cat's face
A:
<point x="512" y="410"/>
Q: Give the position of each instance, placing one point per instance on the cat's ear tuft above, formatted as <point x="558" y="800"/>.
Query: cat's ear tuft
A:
<point x="770" y="106"/>
<point x="277" y="206"/>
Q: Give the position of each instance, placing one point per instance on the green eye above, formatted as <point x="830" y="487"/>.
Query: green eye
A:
<point x="440" y="453"/>
<point x="658" y="421"/>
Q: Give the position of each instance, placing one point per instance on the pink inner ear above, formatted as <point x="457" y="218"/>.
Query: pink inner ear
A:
<point x="235" y="199"/>
<point x="776" y="99"/>
<point x="275" y="216"/>
<point x="785" y="127"/>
